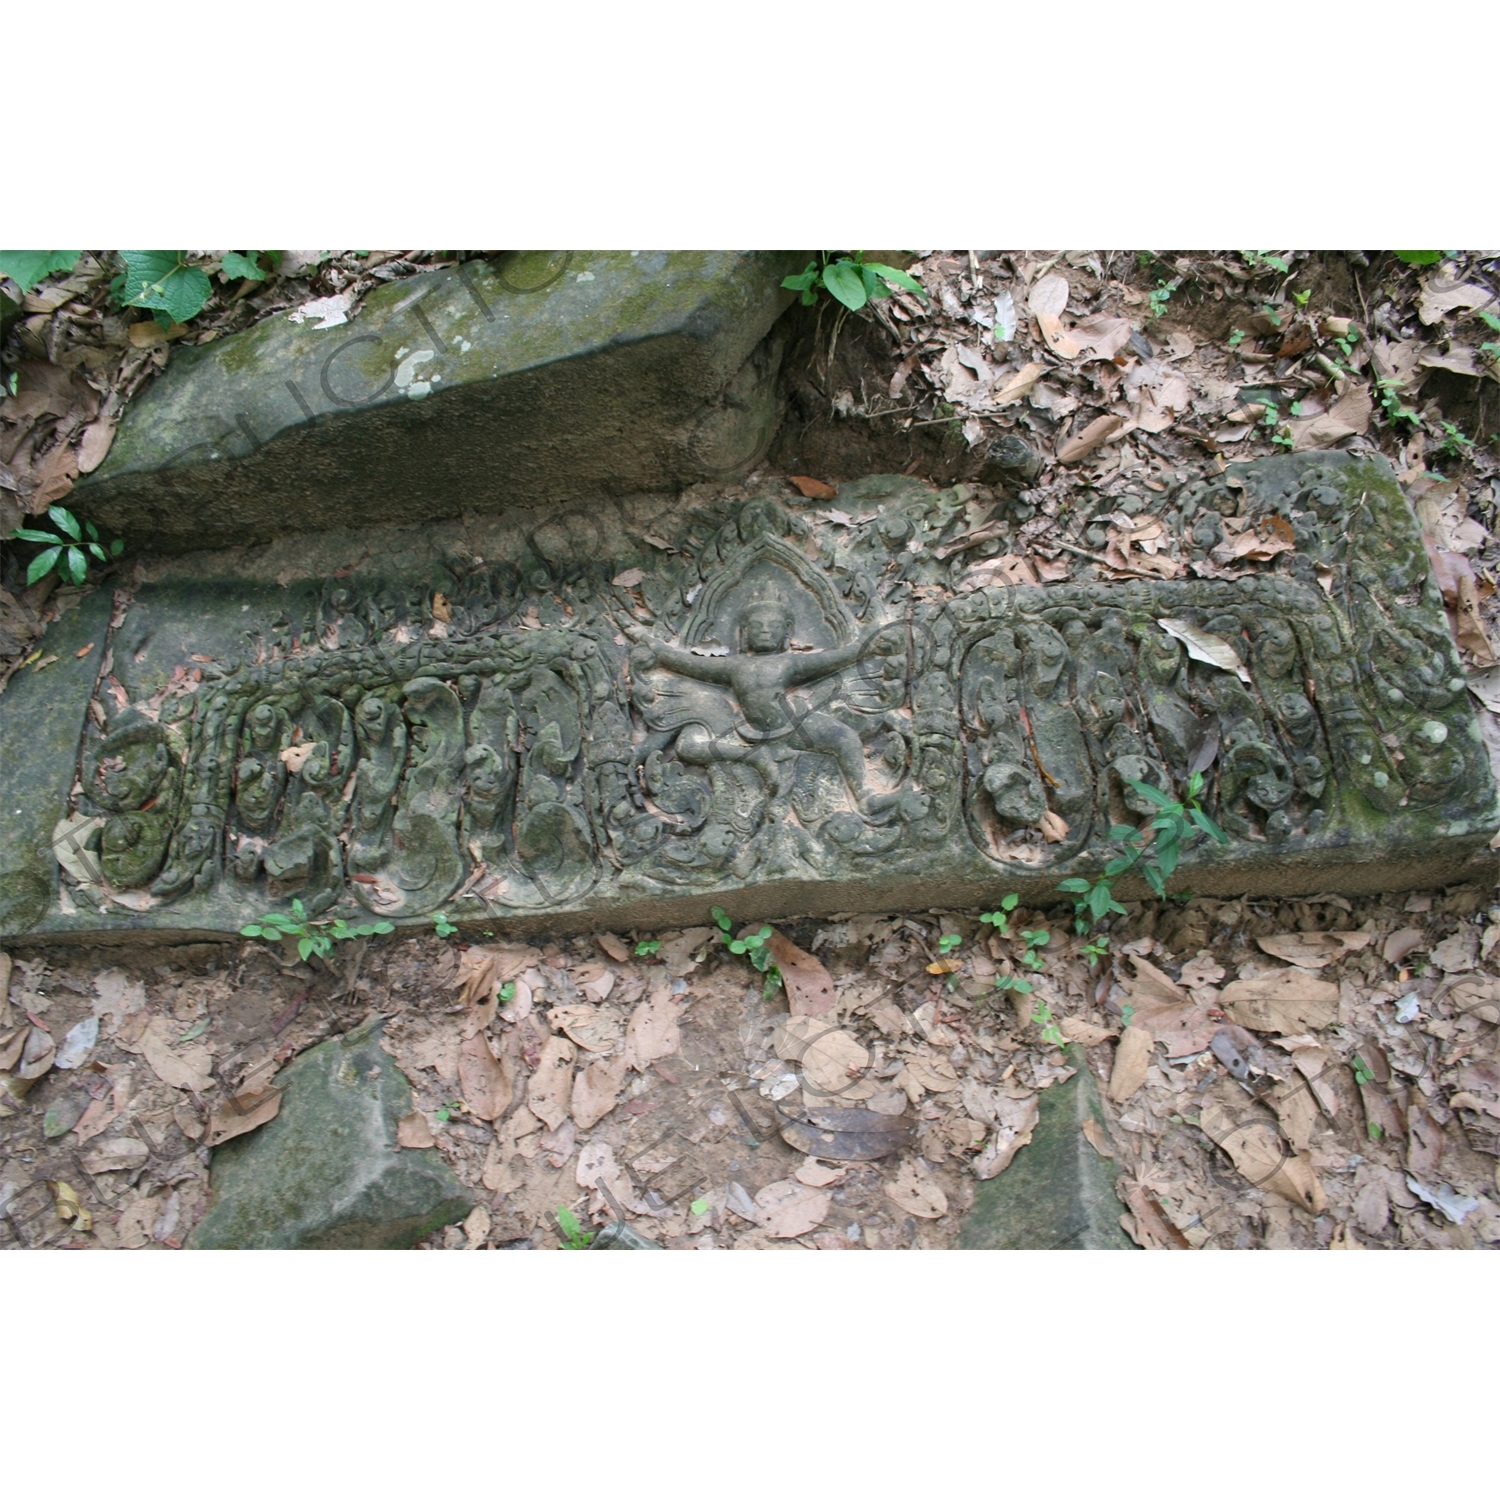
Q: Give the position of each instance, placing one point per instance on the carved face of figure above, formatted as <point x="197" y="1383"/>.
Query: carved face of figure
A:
<point x="372" y="717"/>
<point x="766" y="628"/>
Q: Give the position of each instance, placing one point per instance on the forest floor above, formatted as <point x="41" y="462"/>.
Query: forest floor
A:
<point x="1363" y="1110"/>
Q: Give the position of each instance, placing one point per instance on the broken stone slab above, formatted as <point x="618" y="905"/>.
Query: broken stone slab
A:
<point x="534" y="378"/>
<point x="622" y="712"/>
<point x="1058" y="1193"/>
<point x="326" y="1173"/>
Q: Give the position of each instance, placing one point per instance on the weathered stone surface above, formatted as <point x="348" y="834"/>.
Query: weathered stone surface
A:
<point x="326" y="1173"/>
<point x="1058" y="1193"/>
<point x="532" y="379"/>
<point x="621" y="712"/>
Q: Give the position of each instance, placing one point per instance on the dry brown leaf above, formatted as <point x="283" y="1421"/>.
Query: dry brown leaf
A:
<point x="1047" y="301"/>
<point x="596" y="1028"/>
<point x="817" y="1174"/>
<point x="832" y="1061"/>
<point x="1085" y="1033"/>
<point x="441" y="608"/>
<point x="809" y="989"/>
<point x="1202" y="645"/>
<point x="487" y="1082"/>
<point x="186" y="1068"/>
<point x="1132" y="1058"/>
<point x="1054" y="827"/>
<point x="94" y="445"/>
<point x="1101" y="336"/>
<point x="248" y="1110"/>
<point x="652" y="1031"/>
<point x="1403" y="941"/>
<point x="1289" y="1002"/>
<point x="786" y="1209"/>
<point x="413" y="1132"/>
<point x="1151" y="989"/>
<point x="1093" y="1133"/>
<point x="1018" y="385"/>
<point x="476" y="1227"/>
<point x="1013" y="1121"/>
<point x="123" y="1153"/>
<point x="1262" y="1157"/>
<point x="1442" y="294"/>
<point x="1095" y="435"/>
<point x="596" y="1090"/>
<point x="812" y="489"/>
<point x="945" y="966"/>
<point x="549" y="1094"/>
<point x="617" y="948"/>
<point x="913" y="1191"/>
<point x="1314" y="950"/>
<point x="294" y="757"/>
<point x="1349" y="416"/>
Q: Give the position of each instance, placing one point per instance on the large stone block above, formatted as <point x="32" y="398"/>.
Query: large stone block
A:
<point x="327" y="1173"/>
<point x="534" y="379"/>
<point x="623" y="711"/>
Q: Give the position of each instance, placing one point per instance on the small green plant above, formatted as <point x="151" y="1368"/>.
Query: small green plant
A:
<point x="69" y="553"/>
<point x="1236" y="338"/>
<point x="1095" y="949"/>
<point x="575" y="1236"/>
<point x="1395" y="409"/>
<point x="1157" y="850"/>
<point x="699" y="1207"/>
<point x="1012" y="983"/>
<point x="999" y="919"/>
<point x="1259" y="261"/>
<point x="447" y="1109"/>
<point x="753" y="945"/>
<point x="1042" y="1016"/>
<point x="647" y="947"/>
<point x="1301" y="298"/>
<point x="948" y="942"/>
<point x="1035" y="942"/>
<point x="1455" y="444"/>
<point x="441" y="925"/>
<point x="1418" y="257"/>
<point x="1362" y="1073"/>
<point x="1127" y="1014"/>
<point x="1161" y="295"/>
<point x="853" y="282"/>
<point x="313" y="937"/>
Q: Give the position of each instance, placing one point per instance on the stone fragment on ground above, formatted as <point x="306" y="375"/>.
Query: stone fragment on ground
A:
<point x="1058" y="1193"/>
<point x="328" y="1173"/>
<point x="465" y="390"/>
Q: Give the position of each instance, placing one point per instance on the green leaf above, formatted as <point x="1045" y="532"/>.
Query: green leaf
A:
<point x="116" y="547"/>
<point x="1010" y="902"/>
<point x="26" y="534"/>
<point x="298" y="909"/>
<point x="1154" y="880"/>
<point x="844" y="282"/>
<point x="1208" y="825"/>
<point x="569" y="1221"/>
<point x="384" y="927"/>
<point x="1076" y="885"/>
<point x="29" y="267"/>
<point x="1419" y="257"/>
<point x="1151" y="793"/>
<point x="244" y="267"/>
<point x="253" y="931"/>
<point x="164" y="281"/>
<point x="890" y="273"/>
<point x="65" y="521"/>
<point x="805" y="282"/>
<point x="1099" y="901"/>
<point x="698" y="1206"/>
<point x="41" y="564"/>
<point x="78" y="565"/>
<point x="1167" y="855"/>
<point x="738" y="946"/>
<point x="304" y="947"/>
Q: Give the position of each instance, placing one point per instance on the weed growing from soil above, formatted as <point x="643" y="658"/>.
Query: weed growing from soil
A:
<point x="69" y="553"/>
<point x="313" y="938"/>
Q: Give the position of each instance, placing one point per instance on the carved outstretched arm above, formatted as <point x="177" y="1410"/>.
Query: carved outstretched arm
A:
<point x="817" y="664"/>
<point x="703" y="668"/>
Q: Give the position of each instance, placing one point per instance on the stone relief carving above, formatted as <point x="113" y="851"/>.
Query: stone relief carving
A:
<point x="779" y="694"/>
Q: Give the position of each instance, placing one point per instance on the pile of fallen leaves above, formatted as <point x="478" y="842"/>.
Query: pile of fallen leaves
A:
<point x="1316" y="1073"/>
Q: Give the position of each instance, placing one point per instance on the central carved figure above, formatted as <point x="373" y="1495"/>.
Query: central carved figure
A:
<point x="760" y="677"/>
